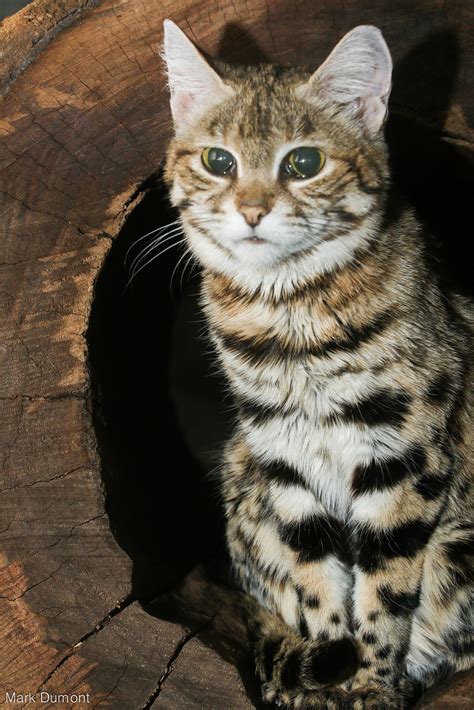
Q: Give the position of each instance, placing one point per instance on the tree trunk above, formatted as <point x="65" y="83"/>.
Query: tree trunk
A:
<point x="84" y="124"/>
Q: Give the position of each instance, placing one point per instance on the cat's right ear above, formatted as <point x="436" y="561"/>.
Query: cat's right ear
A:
<point x="194" y="85"/>
<point x="357" y="75"/>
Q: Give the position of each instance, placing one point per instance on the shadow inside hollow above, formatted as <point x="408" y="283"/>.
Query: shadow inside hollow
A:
<point x="162" y="508"/>
<point x="161" y="416"/>
<point x="432" y="172"/>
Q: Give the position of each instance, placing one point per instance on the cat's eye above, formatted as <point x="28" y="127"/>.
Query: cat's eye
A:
<point x="303" y="163"/>
<point x="218" y="161"/>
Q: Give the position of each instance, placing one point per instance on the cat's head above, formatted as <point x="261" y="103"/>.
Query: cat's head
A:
<point x="278" y="173"/>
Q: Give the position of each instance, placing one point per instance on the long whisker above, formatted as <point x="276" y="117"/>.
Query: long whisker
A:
<point x="159" y="240"/>
<point x="153" y="231"/>
<point x="135" y="273"/>
<point x="194" y="270"/>
<point x="150" y="251"/>
<point x="188" y="262"/>
<point x="176" y="268"/>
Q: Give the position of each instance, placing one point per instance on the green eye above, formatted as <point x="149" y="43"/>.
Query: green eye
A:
<point x="303" y="163"/>
<point x="218" y="161"/>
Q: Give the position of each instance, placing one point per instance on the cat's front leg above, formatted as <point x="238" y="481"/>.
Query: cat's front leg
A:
<point x="392" y="528"/>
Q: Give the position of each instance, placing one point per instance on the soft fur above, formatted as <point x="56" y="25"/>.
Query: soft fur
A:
<point x="347" y="483"/>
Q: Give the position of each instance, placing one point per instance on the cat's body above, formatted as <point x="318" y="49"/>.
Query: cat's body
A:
<point x="347" y="484"/>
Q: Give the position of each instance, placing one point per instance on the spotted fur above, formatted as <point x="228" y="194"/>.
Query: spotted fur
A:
<point x="347" y="484"/>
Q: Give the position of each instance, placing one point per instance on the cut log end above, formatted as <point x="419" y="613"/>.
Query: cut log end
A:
<point x="93" y="536"/>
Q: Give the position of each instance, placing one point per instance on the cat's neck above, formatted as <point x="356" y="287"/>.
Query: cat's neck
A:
<point x="375" y="282"/>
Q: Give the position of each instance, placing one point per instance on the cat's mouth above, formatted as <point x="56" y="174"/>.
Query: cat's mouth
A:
<point x="255" y="240"/>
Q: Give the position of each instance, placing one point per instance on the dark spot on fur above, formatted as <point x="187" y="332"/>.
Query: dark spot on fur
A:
<point x="431" y="486"/>
<point x="333" y="661"/>
<point x="306" y="124"/>
<point x="461" y="646"/>
<point x="400" y="655"/>
<point x="335" y="619"/>
<point x="383" y="671"/>
<point x="281" y="473"/>
<point x="303" y="626"/>
<point x="459" y="553"/>
<point x="373" y="615"/>
<point x="254" y="349"/>
<point x="266" y="348"/>
<point x="369" y="639"/>
<point x="439" y="389"/>
<point x="315" y="537"/>
<point x="299" y="593"/>
<point x="312" y="601"/>
<point x="345" y="215"/>
<point x="183" y="153"/>
<point x="379" y="475"/>
<point x="383" y="652"/>
<point x="291" y="670"/>
<point x="354" y="337"/>
<point x="383" y="407"/>
<point x="398" y="604"/>
<point x="256" y="412"/>
<point x="270" y="650"/>
<point x="457" y="550"/>
<point x="184" y="204"/>
<point x="363" y="184"/>
<point x="376" y="546"/>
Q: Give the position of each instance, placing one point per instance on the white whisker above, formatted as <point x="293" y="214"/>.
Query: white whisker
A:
<point x="188" y="262"/>
<point x="153" y="231"/>
<point x="136" y="272"/>
<point x="176" y="268"/>
<point x="162" y="239"/>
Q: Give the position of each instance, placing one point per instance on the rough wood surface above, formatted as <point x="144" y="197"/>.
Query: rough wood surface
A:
<point x="81" y="128"/>
<point x="24" y="34"/>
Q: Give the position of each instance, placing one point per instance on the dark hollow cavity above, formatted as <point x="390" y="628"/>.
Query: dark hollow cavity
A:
<point x="158" y="407"/>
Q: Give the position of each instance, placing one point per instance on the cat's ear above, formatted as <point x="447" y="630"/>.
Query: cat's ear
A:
<point x="358" y="75"/>
<point x="194" y="85"/>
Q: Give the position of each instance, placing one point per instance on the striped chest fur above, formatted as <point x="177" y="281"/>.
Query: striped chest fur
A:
<point x="325" y="393"/>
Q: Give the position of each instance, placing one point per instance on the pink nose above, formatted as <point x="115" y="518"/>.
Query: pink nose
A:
<point x="253" y="211"/>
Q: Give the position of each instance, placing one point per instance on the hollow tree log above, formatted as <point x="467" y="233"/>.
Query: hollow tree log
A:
<point x="84" y="124"/>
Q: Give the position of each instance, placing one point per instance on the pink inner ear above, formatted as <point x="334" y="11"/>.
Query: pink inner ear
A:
<point x="374" y="113"/>
<point x="183" y="103"/>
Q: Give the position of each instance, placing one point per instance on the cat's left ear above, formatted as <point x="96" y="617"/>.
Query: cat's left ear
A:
<point x="357" y="75"/>
<point x="194" y="85"/>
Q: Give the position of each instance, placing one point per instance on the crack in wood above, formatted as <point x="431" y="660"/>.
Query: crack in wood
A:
<point x="172" y="661"/>
<point x="36" y="584"/>
<point x="79" y="396"/>
<point x="103" y="701"/>
<point x="42" y="480"/>
<point x="121" y="606"/>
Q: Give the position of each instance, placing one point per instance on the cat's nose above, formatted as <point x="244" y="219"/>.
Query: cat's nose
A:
<point x="253" y="211"/>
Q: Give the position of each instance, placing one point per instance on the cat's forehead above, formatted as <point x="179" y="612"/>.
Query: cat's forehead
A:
<point x="263" y="110"/>
<point x="264" y="114"/>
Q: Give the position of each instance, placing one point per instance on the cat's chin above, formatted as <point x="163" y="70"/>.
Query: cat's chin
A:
<point x="257" y="252"/>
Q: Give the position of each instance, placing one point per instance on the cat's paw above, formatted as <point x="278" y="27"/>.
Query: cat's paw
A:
<point x="339" y="699"/>
<point x="374" y="698"/>
<point x="294" y="666"/>
<point x="310" y="699"/>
